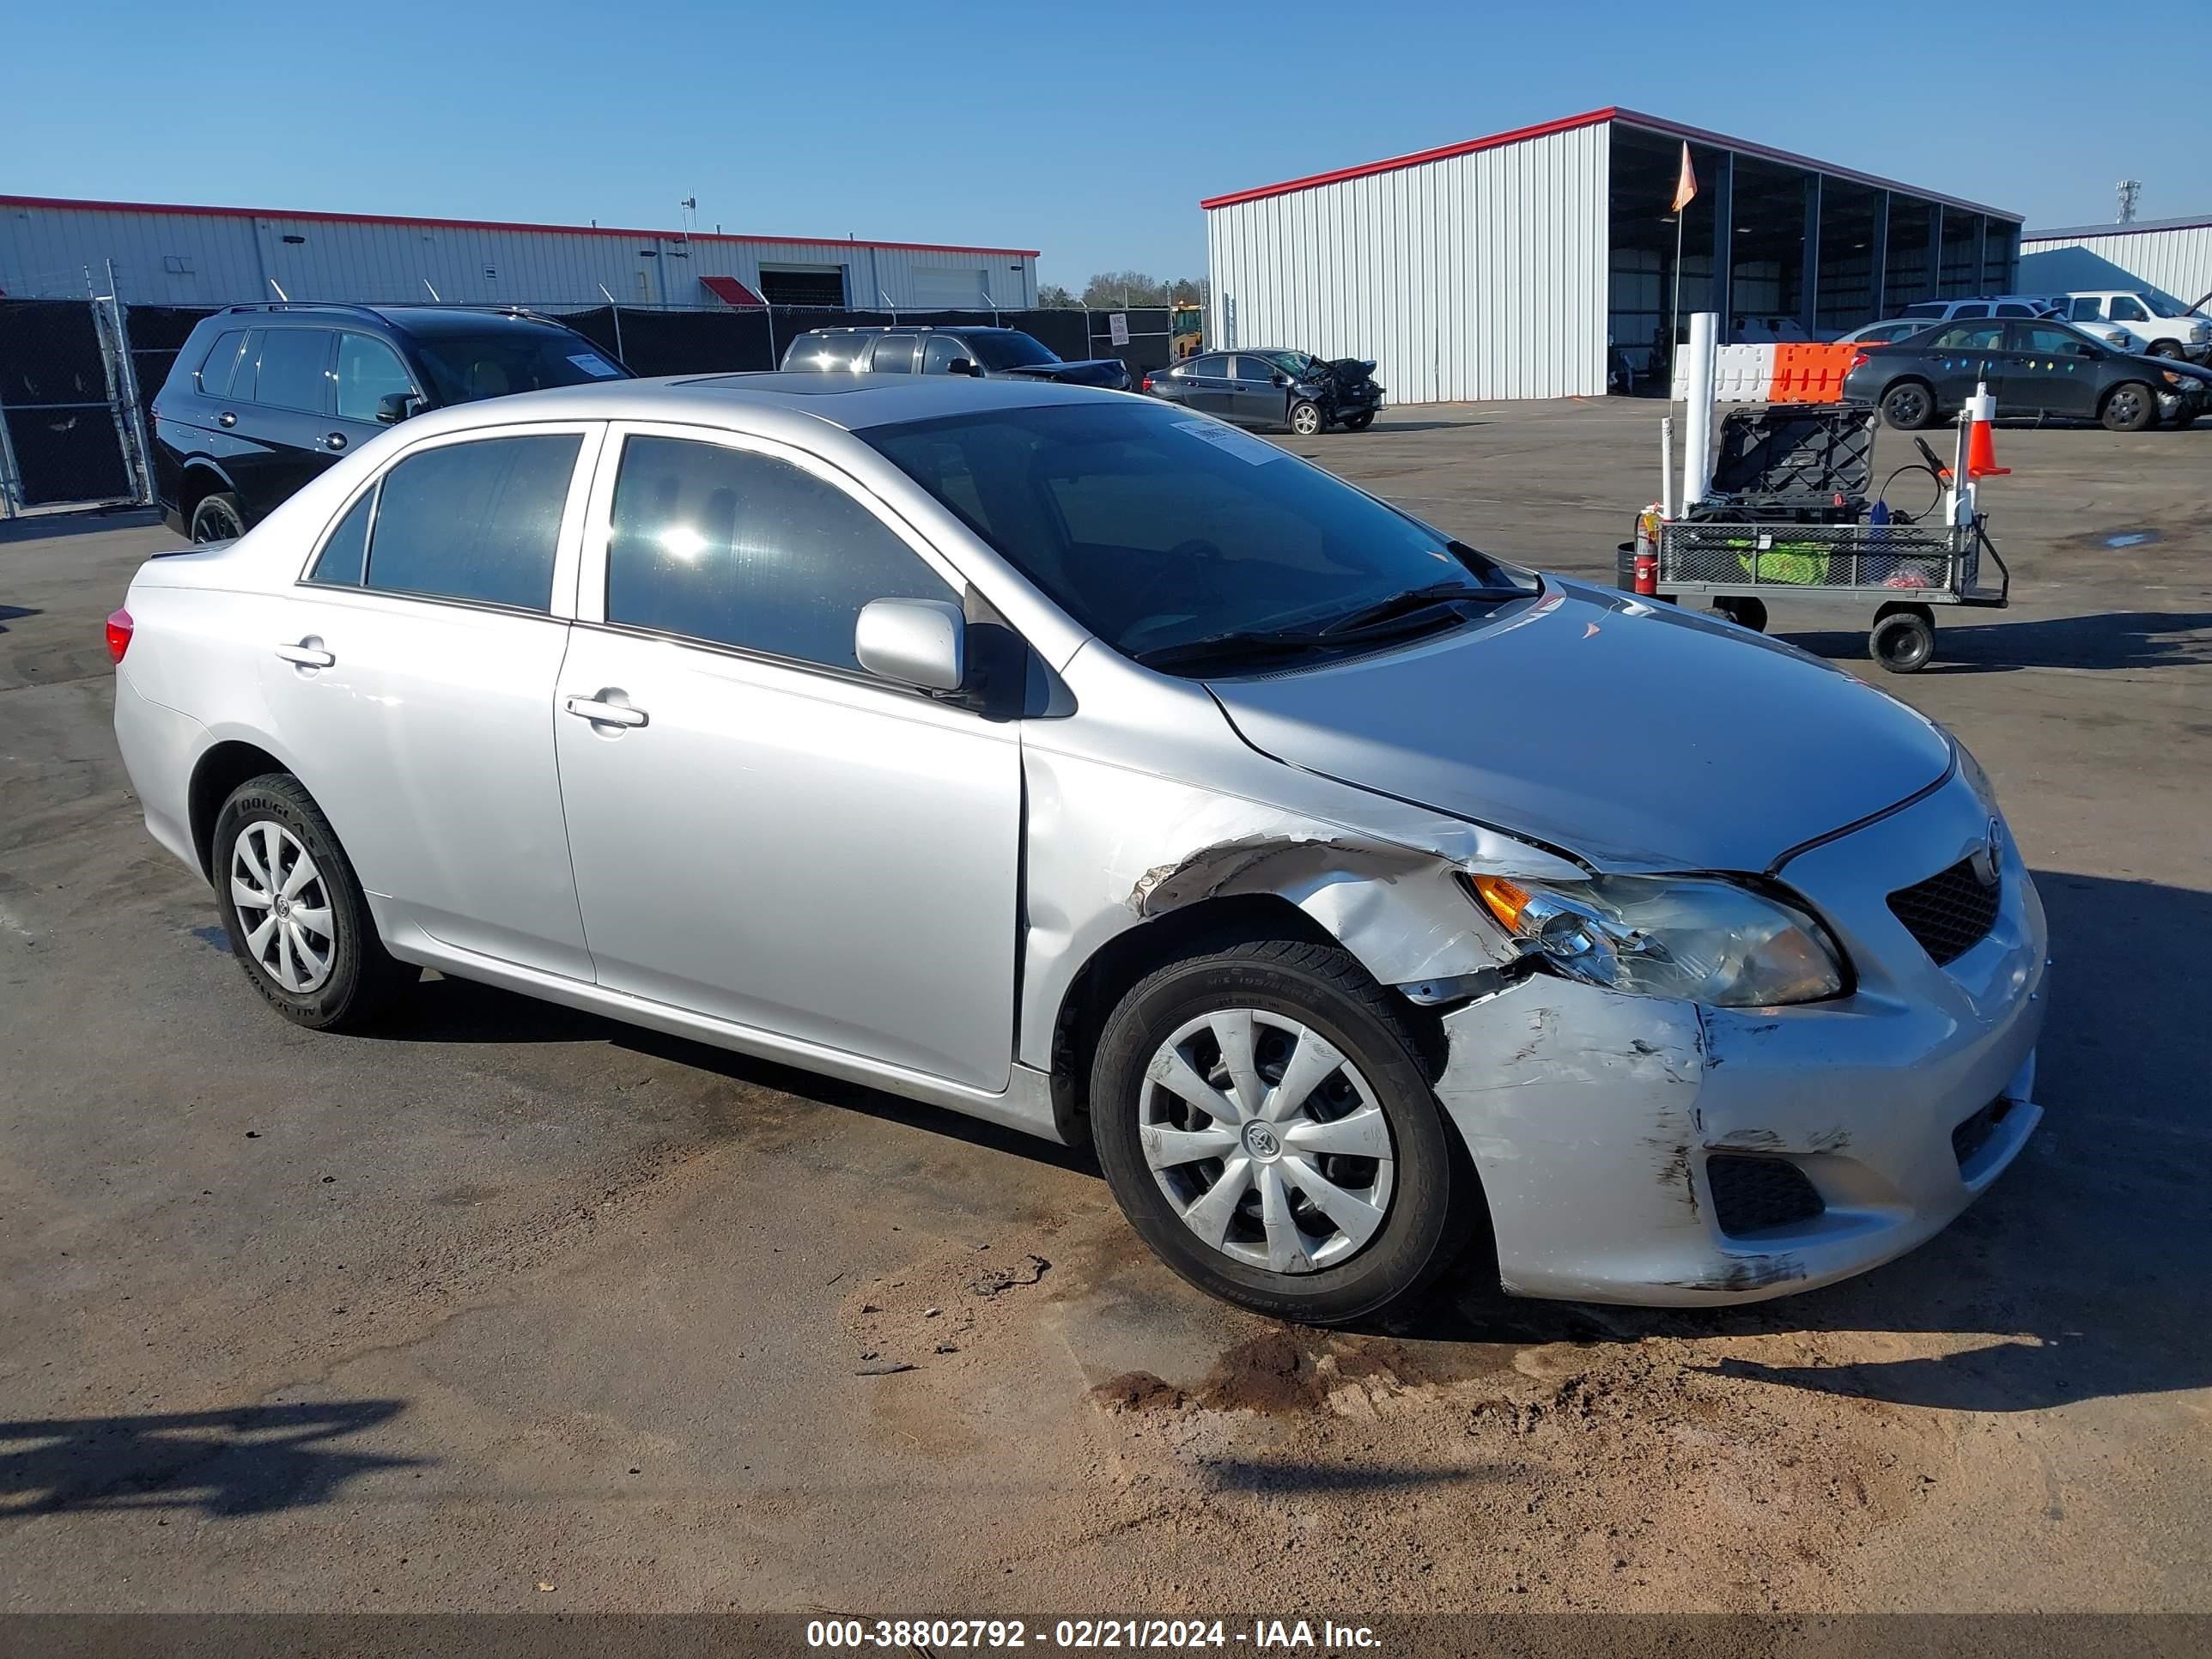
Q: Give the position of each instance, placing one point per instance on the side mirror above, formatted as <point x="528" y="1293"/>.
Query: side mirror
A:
<point x="917" y="643"/>
<point x="963" y="365"/>
<point x="394" y="407"/>
<point x="1281" y="379"/>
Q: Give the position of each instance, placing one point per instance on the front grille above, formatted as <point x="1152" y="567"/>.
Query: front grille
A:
<point x="1969" y="1137"/>
<point x="1754" y="1195"/>
<point x="1950" y="912"/>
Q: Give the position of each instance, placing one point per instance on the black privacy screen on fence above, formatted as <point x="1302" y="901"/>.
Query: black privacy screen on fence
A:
<point x="71" y="432"/>
<point x="61" y="424"/>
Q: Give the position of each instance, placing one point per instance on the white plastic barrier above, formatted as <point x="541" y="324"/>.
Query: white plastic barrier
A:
<point x="1742" y="374"/>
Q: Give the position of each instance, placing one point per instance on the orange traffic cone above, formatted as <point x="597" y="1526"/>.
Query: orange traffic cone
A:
<point x="1981" y="444"/>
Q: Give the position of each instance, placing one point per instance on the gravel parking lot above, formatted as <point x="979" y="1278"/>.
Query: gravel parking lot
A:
<point x="509" y="1307"/>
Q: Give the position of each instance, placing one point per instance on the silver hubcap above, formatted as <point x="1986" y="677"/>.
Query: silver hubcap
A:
<point x="215" y="523"/>
<point x="283" y="907"/>
<point x="1306" y="422"/>
<point x="1267" y="1140"/>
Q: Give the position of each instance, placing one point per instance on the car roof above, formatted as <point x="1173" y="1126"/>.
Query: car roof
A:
<point x="425" y="320"/>
<point x="853" y="402"/>
<point x="911" y="328"/>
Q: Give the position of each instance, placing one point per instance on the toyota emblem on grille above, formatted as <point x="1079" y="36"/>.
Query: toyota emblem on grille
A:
<point x="1984" y="857"/>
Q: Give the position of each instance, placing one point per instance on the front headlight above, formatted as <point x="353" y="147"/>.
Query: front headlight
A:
<point x="1693" y="937"/>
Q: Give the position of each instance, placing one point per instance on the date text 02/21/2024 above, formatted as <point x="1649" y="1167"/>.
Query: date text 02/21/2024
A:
<point x="1281" y="1635"/>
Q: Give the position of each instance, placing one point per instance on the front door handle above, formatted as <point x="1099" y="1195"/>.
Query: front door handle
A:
<point x="336" y="440"/>
<point x="305" y="655"/>
<point x="602" y="712"/>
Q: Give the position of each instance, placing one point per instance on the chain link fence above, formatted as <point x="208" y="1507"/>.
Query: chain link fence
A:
<point x="78" y="377"/>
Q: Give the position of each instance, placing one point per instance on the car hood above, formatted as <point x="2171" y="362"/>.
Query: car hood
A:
<point x="1634" y="736"/>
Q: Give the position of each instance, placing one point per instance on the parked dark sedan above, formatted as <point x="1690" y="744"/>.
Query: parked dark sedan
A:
<point x="1274" y="388"/>
<point x="985" y="353"/>
<point x="2045" y="368"/>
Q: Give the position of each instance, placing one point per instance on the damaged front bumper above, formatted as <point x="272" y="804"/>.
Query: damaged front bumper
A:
<point x="1594" y="1116"/>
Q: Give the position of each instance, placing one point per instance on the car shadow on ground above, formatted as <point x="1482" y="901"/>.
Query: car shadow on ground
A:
<point x="2114" y="640"/>
<point x="2078" y="1275"/>
<point x="13" y="612"/>
<point x="40" y="527"/>
<point x="251" y="1461"/>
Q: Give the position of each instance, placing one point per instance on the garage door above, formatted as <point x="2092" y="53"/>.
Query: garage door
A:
<point x="963" y="287"/>
<point x="802" y="285"/>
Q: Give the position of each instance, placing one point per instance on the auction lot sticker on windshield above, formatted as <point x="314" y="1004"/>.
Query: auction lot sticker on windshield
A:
<point x="591" y="363"/>
<point x="1256" y="452"/>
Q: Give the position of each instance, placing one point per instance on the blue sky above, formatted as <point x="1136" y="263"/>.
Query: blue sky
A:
<point x="1091" y="133"/>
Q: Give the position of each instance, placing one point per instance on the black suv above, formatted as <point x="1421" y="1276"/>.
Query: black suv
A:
<point x="986" y="353"/>
<point x="263" y="397"/>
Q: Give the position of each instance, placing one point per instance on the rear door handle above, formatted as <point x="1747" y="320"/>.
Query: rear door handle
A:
<point x="226" y="419"/>
<point x="304" y="655"/>
<point x="601" y="713"/>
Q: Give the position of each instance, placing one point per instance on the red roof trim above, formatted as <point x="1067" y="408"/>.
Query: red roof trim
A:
<point x="1591" y="118"/>
<point x="730" y="291"/>
<point x="1444" y="152"/>
<point x="490" y="224"/>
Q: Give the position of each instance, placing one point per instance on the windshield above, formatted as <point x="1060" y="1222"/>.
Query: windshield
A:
<point x="2162" y="306"/>
<point x="463" y="367"/>
<point x="1155" y="529"/>
<point x="1010" y="349"/>
<point x="1299" y="363"/>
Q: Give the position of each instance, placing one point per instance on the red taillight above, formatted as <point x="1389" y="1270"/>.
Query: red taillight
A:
<point x="119" y="634"/>
<point x="1147" y="386"/>
<point x="1859" y="359"/>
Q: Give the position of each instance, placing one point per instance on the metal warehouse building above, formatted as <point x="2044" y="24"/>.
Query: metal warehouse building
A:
<point x="1499" y="267"/>
<point x="171" y="255"/>
<point x="2173" y="257"/>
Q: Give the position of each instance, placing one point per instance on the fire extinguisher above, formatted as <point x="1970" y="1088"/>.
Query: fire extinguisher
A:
<point x="1647" y="552"/>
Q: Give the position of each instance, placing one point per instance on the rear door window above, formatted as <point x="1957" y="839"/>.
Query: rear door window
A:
<point x="1965" y="312"/>
<point x="214" y="375"/>
<point x="744" y="549"/>
<point x="1978" y="337"/>
<point x="478" y="521"/>
<point x="894" y="354"/>
<point x="295" y="369"/>
<point x="941" y="352"/>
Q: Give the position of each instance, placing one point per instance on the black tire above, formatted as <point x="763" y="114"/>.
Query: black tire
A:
<point x="2183" y="421"/>
<point x="218" y="517"/>
<point x="1359" y="422"/>
<point x="2129" y="407"/>
<point x="1431" y="1198"/>
<point x="2162" y="349"/>
<point x="1903" y="641"/>
<point x="1306" y="418"/>
<point x="1744" y="612"/>
<point x="363" y="979"/>
<point x="1908" y="405"/>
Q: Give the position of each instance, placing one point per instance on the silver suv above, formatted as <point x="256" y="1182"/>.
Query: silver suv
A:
<point x="1089" y="766"/>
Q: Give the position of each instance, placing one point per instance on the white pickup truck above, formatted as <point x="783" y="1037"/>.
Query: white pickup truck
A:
<point x="2156" y="326"/>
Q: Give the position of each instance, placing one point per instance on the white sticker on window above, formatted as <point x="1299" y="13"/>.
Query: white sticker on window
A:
<point x="591" y="363"/>
<point x="1254" y="451"/>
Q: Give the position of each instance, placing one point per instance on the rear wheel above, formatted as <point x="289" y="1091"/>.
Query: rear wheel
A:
<point x="1305" y="418"/>
<point x="1744" y="612"/>
<point x="1265" y="1124"/>
<point x="1903" y="640"/>
<point x="293" y="909"/>
<point x="218" y="518"/>
<point x="2128" y="408"/>
<point x="1908" y="405"/>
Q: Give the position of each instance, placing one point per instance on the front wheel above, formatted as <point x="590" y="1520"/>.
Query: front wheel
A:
<point x="295" y="911"/>
<point x="1360" y="422"/>
<point x="2128" y="408"/>
<point x="1305" y="418"/>
<point x="1743" y="612"/>
<point x="1265" y="1122"/>
<point x="1903" y="640"/>
<point x="2162" y="349"/>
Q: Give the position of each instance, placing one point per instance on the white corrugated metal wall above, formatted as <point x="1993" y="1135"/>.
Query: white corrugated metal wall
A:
<point x="2177" y="260"/>
<point x="1476" y="275"/>
<point x="202" y="258"/>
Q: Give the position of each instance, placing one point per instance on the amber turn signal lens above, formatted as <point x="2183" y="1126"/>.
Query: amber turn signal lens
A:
<point x="1503" y="899"/>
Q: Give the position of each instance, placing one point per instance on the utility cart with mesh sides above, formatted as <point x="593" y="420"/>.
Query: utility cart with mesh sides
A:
<point x="1790" y="520"/>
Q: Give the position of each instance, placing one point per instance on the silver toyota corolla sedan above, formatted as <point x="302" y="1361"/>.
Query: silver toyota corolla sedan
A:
<point x="1091" y="767"/>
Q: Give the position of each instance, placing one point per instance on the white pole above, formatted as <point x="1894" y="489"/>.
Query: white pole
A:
<point x="1667" y="467"/>
<point x="1698" y="409"/>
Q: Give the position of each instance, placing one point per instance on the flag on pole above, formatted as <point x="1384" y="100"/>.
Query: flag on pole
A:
<point x="1687" y="186"/>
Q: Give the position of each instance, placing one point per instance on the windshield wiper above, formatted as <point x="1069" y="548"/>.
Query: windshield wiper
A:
<point x="1411" y="603"/>
<point x="1238" y="642"/>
